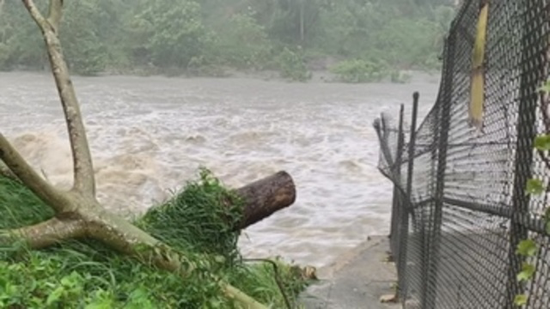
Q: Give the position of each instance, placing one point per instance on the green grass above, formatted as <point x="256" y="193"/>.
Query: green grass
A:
<point x="86" y="274"/>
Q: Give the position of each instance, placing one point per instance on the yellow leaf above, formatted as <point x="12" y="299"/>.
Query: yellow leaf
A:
<point x="477" y="87"/>
<point x="477" y="97"/>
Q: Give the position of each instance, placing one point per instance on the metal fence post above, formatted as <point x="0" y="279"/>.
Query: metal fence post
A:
<point x="434" y="231"/>
<point x="397" y="196"/>
<point x="406" y="206"/>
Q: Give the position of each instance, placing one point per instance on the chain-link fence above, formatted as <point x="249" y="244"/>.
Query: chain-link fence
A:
<point x="460" y="204"/>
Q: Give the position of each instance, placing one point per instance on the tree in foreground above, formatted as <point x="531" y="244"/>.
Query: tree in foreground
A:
<point x="189" y="240"/>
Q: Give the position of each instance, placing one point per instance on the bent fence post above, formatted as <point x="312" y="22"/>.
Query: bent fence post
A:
<point x="397" y="196"/>
<point x="429" y="293"/>
<point x="406" y="206"/>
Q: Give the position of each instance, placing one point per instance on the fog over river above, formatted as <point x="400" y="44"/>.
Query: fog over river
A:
<point x="151" y="134"/>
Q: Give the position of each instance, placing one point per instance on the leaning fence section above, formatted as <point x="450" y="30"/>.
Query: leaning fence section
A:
<point x="460" y="206"/>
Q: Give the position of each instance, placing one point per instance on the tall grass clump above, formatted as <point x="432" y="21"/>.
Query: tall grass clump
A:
<point x="198" y="220"/>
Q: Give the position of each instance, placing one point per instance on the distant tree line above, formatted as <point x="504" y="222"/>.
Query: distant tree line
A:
<point x="209" y="36"/>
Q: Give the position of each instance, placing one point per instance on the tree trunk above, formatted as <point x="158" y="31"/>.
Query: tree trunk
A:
<point x="78" y="213"/>
<point x="264" y="197"/>
<point x="302" y="23"/>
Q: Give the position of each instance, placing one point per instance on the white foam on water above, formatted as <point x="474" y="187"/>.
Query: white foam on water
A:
<point x="150" y="135"/>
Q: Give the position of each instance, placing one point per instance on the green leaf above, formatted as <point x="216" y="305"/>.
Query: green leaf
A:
<point x="527" y="247"/>
<point x="219" y="259"/>
<point x="534" y="186"/>
<point x="547" y="225"/>
<point x="520" y="300"/>
<point x="545" y="87"/>
<point x="55" y="296"/>
<point x="67" y="281"/>
<point x="103" y="304"/>
<point x="527" y="272"/>
<point x="542" y="142"/>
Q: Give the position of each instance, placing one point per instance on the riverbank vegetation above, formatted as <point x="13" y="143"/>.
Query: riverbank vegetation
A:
<point x="356" y="40"/>
<point x="63" y="248"/>
<point x="87" y="274"/>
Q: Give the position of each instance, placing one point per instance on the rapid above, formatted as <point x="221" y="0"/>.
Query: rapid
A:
<point x="149" y="135"/>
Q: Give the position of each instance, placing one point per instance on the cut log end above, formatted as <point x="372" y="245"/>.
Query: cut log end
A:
<point x="266" y="196"/>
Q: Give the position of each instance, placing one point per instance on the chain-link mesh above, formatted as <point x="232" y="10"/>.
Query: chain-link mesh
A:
<point x="460" y="203"/>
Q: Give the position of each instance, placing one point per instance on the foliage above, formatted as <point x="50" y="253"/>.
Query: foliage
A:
<point x="85" y="50"/>
<point x="173" y="30"/>
<point x="292" y="65"/>
<point x="242" y="43"/>
<point x="260" y="281"/>
<point x="88" y="275"/>
<point x="19" y="40"/>
<point x="208" y="36"/>
<point x="359" y="71"/>
<point x="210" y="212"/>
<point x="400" y="77"/>
<point x="528" y="248"/>
<point x="407" y="43"/>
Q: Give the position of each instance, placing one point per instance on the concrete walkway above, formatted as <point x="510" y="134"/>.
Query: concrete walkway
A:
<point x="356" y="281"/>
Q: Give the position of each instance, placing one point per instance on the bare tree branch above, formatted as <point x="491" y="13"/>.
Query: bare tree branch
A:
<point x="35" y="14"/>
<point x="78" y="212"/>
<point x="46" y="233"/>
<point x="125" y="237"/>
<point x="22" y="170"/>
<point x="55" y="13"/>
<point x="84" y="181"/>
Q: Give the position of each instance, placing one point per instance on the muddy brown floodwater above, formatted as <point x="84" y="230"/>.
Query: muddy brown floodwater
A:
<point x="149" y="135"/>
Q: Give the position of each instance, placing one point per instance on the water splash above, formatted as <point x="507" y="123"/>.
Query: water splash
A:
<point x="149" y="136"/>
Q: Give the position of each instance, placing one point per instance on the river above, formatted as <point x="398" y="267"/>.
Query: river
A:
<point x="149" y="135"/>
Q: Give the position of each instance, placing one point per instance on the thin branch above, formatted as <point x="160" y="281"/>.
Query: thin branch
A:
<point x="22" y="170"/>
<point x="55" y="13"/>
<point x="84" y="181"/>
<point x="236" y="294"/>
<point x="35" y="14"/>
<point x="277" y="279"/>
<point x="46" y="233"/>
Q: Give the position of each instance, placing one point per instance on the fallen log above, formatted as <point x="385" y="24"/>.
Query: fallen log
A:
<point x="261" y="198"/>
<point x="266" y="196"/>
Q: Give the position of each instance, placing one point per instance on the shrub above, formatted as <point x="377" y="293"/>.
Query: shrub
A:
<point x="400" y="77"/>
<point x="359" y="71"/>
<point x="243" y="43"/>
<point x="292" y="65"/>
